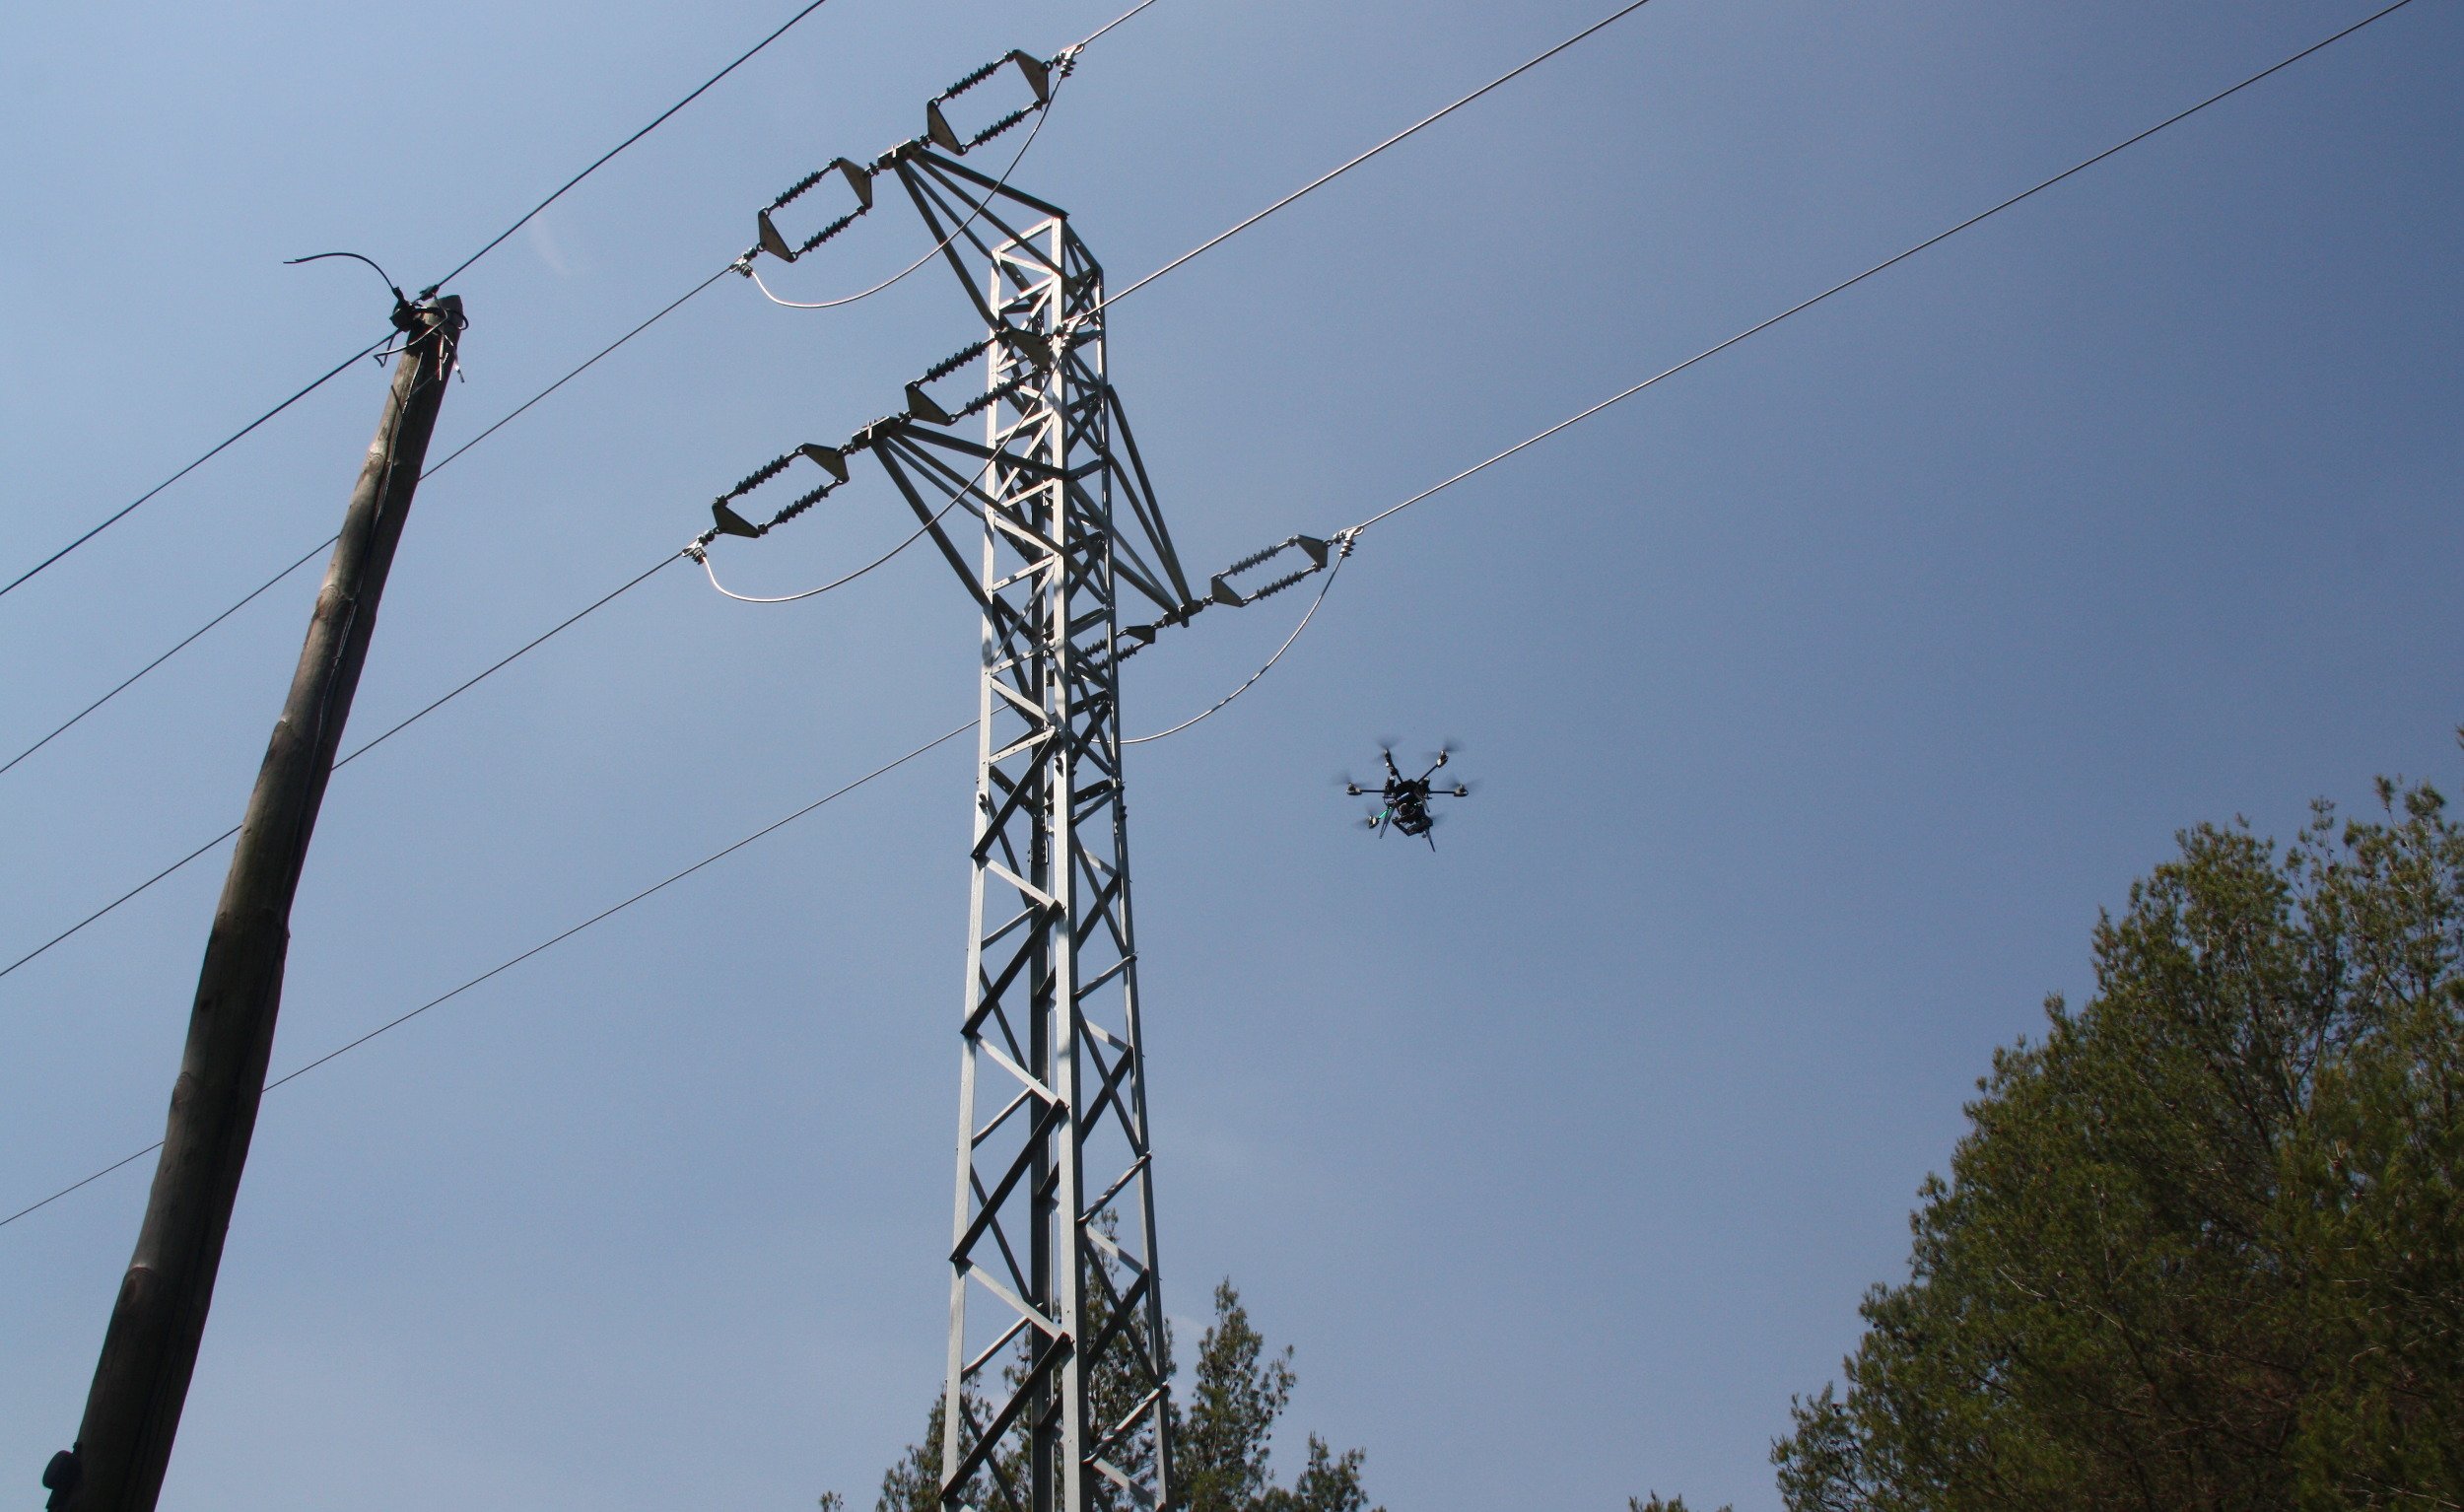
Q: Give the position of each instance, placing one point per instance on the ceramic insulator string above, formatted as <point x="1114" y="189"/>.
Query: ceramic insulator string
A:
<point x="955" y="361"/>
<point x="999" y="126"/>
<point x="759" y="476"/>
<point x="798" y="507"/>
<point x="831" y="230"/>
<point x="1256" y="557"/>
<point x="971" y="80"/>
<point x="795" y="190"/>
<point x="1281" y="583"/>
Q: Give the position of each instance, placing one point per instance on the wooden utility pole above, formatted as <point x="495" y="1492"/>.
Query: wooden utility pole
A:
<point x="149" y="1350"/>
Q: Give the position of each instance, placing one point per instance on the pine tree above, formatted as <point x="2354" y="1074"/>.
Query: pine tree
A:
<point x="1222" y="1440"/>
<point x="2203" y="1246"/>
<point x="1220" y="1446"/>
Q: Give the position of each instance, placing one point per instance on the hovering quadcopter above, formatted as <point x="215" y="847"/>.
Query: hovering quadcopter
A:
<point x="1405" y="800"/>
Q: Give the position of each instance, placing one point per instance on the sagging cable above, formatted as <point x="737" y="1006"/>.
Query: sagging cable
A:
<point x="772" y="241"/>
<point x="698" y="551"/>
<point x="1036" y="356"/>
<point x="1222" y="591"/>
<point x="1343" y="544"/>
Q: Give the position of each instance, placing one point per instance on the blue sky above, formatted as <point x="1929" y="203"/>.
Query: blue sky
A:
<point x="1823" y="695"/>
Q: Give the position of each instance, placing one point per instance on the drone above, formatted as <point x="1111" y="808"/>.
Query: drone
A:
<point x="1405" y="800"/>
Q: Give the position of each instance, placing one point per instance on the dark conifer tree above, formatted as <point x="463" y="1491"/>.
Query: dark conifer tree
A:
<point x="2203" y="1246"/>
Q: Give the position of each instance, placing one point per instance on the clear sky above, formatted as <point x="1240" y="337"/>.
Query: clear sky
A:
<point x="1824" y="695"/>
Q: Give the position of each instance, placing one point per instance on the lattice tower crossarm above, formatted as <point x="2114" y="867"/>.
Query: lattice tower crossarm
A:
<point x="1055" y="1397"/>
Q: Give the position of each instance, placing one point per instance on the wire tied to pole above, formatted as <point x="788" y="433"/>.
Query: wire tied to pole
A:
<point x="401" y="301"/>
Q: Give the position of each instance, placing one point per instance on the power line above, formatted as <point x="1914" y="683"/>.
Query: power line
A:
<point x="1272" y="661"/>
<point x="117" y="902"/>
<point x="1043" y="114"/>
<point x="938" y="248"/>
<point x="552" y="940"/>
<point x="586" y="364"/>
<point x="605" y="157"/>
<point x="508" y="417"/>
<point x="1577" y="418"/>
<point x="363" y="749"/>
<point x="209" y="455"/>
<point x="1896" y="259"/>
<point x="601" y="161"/>
<point x="430" y="471"/>
<point x="1340" y="169"/>
<point x="1445" y="483"/>
<point x="246" y="599"/>
<point x="1332" y="568"/>
<point x="1116" y="21"/>
<point x="502" y="662"/>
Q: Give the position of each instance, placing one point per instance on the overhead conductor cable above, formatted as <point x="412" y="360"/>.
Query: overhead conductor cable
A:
<point x="217" y="449"/>
<point x="739" y="264"/>
<point x="1571" y="420"/>
<point x="515" y="960"/>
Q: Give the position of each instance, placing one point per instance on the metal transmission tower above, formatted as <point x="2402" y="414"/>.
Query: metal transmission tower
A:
<point x="1056" y="1400"/>
<point x="1057" y="1397"/>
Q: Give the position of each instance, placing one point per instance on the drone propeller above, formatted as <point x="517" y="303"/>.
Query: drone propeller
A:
<point x="1463" y="788"/>
<point x="1438" y="758"/>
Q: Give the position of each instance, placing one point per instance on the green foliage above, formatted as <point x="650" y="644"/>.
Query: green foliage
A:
<point x="1326" y="1483"/>
<point x="1114" y="1392"/>
<point x="1221" y="1442"/>
<point x="1220" y="1448"/>
<point x="914" y="1483"/>
<point x="2203" y="1247"/>
<point x="1653" y="1503"/>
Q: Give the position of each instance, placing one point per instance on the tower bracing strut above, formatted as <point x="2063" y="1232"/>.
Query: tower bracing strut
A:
<point x="1056" y="1397"/>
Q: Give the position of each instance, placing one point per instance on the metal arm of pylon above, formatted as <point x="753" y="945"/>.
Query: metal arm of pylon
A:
<point x="960" y="205"/>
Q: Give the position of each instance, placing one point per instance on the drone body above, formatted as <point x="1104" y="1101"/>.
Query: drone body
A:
<point x="1404" y="801"/>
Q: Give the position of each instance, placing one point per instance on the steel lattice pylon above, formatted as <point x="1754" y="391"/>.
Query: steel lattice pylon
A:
<point x="1058" y="1397"/>
<point x="1055" y="1397"/>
